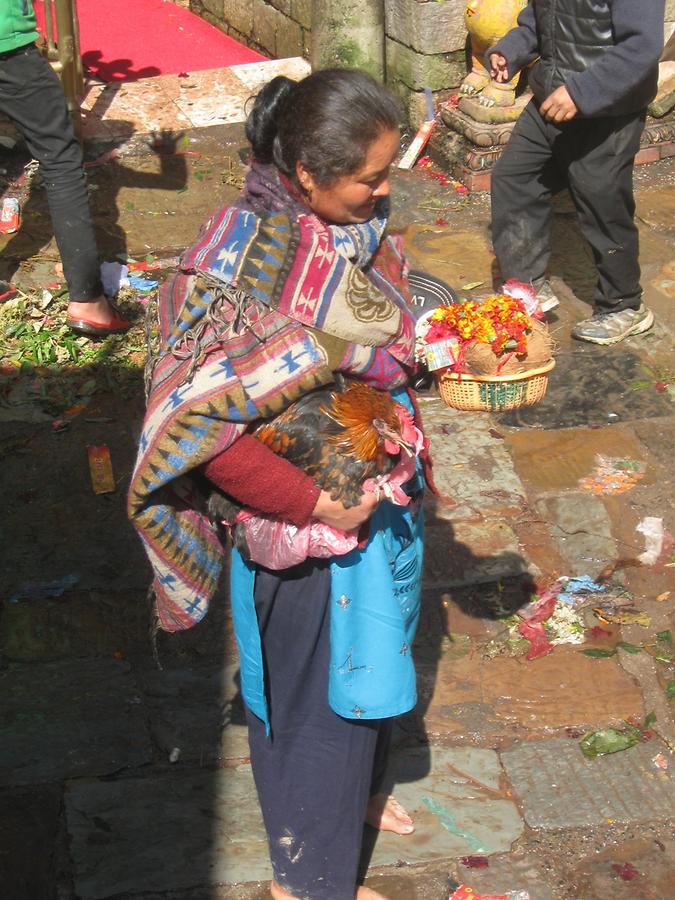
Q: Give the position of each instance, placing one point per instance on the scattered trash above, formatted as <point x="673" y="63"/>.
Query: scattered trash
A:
<point x="626" y="871"/>
<point x="104" y="158"/>
<point x="623" y="617"/>
<point x="613" y="475"/>
<point x="44" y="590"/>
<point x="152" y="263"/>
<point x="471" y="285"/>
<point x="145" y="285"/>
<point x="664" y="596"/>
<point x="575" y="589"/>
<point x="475" y="862"/>
<point x="448" y="821"/>
<point x="442" y="178"/>
<point x="10" y="215"/>
<point x="613" y="740"/>
<point x="174" y="755"/>
<point x="652" y="528"/>
<point x="114" y="275"/>
<point x="539" y="643"/>
<point x="660" y="761"/>
<point x="100" y="469"/>
<point x="607" y="740"/>
<point x="464" y="892"/>
<point x="423" y="133"/>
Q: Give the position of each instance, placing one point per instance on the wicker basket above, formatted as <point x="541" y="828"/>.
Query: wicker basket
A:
<point x="494" y="393"/>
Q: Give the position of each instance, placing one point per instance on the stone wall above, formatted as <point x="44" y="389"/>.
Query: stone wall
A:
<point x="425" y="41"/>
<point x="276" y="28"/>
<point x="425" y="47"/>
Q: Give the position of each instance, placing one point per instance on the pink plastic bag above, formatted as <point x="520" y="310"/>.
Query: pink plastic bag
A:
<point x="280" y="545"/>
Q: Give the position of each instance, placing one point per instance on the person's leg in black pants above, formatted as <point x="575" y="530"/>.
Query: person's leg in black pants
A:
<point x="524" y="180"/>
<point x="32" y="97"/>
<point x="599" y="156"/>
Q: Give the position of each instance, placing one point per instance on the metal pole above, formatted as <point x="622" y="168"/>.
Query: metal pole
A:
<point x="63" y="52"/>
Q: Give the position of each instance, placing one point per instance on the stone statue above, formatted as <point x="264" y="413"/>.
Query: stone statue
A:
<point x="486" y="22"/>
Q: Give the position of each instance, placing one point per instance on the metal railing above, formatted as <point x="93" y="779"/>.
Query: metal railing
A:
<point x="63" y="51"/>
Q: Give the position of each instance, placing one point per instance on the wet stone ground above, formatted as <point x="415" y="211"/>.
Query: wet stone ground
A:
<point x="121" y="780"/>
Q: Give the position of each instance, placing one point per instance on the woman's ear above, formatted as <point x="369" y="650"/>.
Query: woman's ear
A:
<point x="305" y="179"/>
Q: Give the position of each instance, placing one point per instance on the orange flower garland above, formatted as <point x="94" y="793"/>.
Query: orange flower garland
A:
<point x="499" y="320"/>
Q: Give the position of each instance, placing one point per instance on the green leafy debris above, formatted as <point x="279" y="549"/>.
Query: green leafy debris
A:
<point x="608" y="740"/>
<point x="629" y="648"/>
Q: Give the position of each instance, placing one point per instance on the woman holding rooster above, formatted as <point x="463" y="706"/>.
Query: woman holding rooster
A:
<point x="295" y="285"/>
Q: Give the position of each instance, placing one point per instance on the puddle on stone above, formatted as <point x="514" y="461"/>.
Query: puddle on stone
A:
<point x="592" y="387"/>
<point x="562" y="689"/>
<point x="459" y="257"/>
<point x="551" y="461"/>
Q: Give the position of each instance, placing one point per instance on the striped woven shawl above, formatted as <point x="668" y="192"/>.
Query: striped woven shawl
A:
<point x="267" y="305"/>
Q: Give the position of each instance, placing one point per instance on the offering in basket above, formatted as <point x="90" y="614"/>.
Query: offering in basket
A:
<point x="493" y="354"/>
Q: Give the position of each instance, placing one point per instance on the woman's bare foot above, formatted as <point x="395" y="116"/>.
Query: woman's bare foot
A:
<point x="385" y="813"/>
<point x="362" y="893"/>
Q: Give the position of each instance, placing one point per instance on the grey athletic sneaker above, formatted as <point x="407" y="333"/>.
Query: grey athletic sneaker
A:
<point x="612" y="327"/>
<point x="546" y="296"/>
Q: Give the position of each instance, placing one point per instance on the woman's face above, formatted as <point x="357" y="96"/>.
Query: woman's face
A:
<point x="352" y="198"/>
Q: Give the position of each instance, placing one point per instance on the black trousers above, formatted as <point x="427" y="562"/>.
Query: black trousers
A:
<point x="594" y="159"/>
<point x="316" y="771"/>
<point x="32" y="97"/>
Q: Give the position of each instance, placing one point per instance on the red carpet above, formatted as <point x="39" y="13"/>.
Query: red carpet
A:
<point x="124" y="40"/>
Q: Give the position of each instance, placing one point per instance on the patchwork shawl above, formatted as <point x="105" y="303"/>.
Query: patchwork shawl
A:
<point x="267" y="305"/>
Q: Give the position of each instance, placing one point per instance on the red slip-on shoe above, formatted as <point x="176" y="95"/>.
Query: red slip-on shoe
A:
<point x="7" y="291"/>
<point x="116" y="325"/>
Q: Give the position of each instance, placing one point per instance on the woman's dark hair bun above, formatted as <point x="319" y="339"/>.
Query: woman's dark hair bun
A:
<point x="262" y="121"/>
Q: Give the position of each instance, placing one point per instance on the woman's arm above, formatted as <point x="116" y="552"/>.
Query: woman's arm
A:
<point x="254" y="476"/>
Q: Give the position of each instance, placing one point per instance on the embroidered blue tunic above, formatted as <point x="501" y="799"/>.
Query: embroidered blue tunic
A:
<point x="375" y="603"/>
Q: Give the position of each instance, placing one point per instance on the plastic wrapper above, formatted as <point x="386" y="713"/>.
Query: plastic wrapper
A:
<point x="280" y="545"/>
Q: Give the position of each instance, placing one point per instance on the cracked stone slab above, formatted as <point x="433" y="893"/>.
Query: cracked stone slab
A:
<point x="197" y="712"/>
<point x="457" y="801"/>
<point x="471" y="553"/>
<point x="582" y="530"/>
<point x="559" y="788"/>
<point x="68" y="719"/>
<point x="573" y="399"/>
<point x="171" y="832"/>
<point x="514" y="694"/>
<point x="28" y="824"/>
<point x="473" y="467"/>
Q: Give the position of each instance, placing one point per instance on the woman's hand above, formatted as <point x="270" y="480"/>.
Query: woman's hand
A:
<point x="336" y="514"/>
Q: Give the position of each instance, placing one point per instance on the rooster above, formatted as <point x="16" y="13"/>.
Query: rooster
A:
<point x="340" y="436"/>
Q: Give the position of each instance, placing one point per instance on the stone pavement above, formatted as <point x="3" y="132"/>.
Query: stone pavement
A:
<point x="121" y="780"/>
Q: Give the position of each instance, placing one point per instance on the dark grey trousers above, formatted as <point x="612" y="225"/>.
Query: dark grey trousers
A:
<point x="32" y="97"/>
<point x="316" y="771"/>
<point x="594" y="159"/>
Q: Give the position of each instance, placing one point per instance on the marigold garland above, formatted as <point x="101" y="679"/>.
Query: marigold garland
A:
<point x="499" y="320"/>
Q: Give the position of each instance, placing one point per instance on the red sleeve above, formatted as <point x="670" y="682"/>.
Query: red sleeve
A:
<point x="256" y="477"/>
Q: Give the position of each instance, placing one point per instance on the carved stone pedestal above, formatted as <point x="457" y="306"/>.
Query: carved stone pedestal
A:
<point x="483" y="138"/>
<point x="480" y="142"/>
